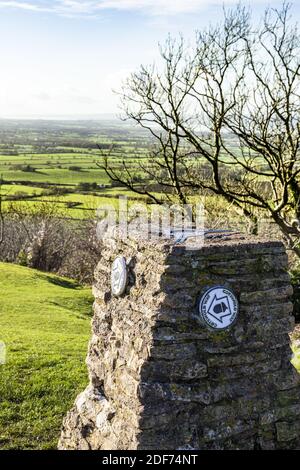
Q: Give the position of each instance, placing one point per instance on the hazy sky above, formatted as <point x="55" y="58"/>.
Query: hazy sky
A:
<point x="64" y="57"/>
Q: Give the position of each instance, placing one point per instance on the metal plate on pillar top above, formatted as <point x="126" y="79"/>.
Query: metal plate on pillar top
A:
<point x="218" y="308"/>
<point x="118" y="276"/>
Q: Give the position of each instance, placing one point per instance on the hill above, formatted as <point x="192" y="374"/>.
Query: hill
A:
<point x="45" y="324"/>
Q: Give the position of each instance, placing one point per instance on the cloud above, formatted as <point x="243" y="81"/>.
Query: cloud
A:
<point x="33" y="6"/>
<point x="95" y="7"/>
<point x="42" y="96"/>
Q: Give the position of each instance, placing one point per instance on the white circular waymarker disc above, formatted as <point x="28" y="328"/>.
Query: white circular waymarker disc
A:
<point x="218" y="308"/>
<point x="118" y="276"/>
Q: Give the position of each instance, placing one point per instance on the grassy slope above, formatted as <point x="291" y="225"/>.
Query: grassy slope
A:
<point x="45" y="323"/>
<point x="296" y="347"/>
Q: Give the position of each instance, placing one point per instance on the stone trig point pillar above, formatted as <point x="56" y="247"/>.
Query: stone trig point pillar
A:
<point x="192" y="351"/>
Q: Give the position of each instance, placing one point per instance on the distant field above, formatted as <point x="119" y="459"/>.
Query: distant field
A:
<point x="72" y="205"/>
<point x="55" y="168"/>
<point x="39" y="156"/>
<point x="58" y="176"/>
<point x="45" y="323"/>
<point x="15" y="189"/>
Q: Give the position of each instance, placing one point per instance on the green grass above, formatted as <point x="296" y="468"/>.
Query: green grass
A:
<point x="296" y="358"/>
<point x="57" y="175"/>
<point x="86" y="204"/>
<point x="296" y="348"/>
<point x="8" y="190"/>
<point x="45" y="323"/>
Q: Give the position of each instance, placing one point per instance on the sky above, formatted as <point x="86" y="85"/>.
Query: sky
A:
<point x="66" y="58"/>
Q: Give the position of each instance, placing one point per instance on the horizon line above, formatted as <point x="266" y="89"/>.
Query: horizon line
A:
<point x="59" y="117"/>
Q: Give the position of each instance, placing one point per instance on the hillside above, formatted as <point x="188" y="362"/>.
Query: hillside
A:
<point x="45" y="323"/>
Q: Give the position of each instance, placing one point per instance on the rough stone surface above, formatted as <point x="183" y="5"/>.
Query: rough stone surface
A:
<point x="159" y="379"/>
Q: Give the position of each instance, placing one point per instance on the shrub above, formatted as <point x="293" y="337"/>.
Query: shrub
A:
<point x="28" y="169"/>
<point x="25" y="168"/>
<point x="87" y="186"/>
<point x="52" y="244"/>
<point x="75" y="168"/>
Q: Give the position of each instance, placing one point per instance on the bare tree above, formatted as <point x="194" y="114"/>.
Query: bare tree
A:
<point x="224" y="117"/>
<point x="266" y="120"/>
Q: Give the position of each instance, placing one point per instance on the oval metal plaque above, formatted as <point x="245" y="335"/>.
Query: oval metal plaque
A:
<point x="218" y="308"/>
<point x="118" y="276"/>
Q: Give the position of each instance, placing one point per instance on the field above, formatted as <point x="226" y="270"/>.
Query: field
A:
<point x="57" y="162"/>
<point x="45" y="323"/>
